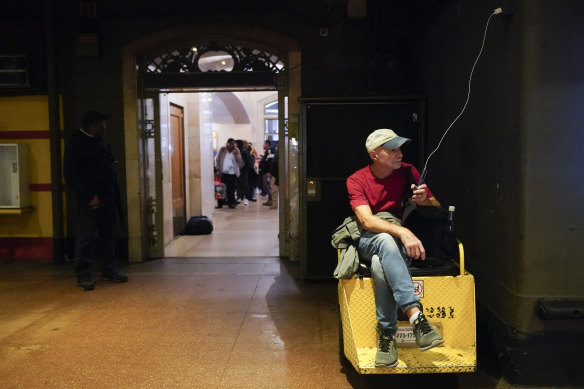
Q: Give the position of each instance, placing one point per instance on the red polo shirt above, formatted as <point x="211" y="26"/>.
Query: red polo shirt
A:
<point x="381" y="194"/>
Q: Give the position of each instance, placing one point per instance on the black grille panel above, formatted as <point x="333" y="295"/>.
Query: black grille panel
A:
<point x="335" y="141"/>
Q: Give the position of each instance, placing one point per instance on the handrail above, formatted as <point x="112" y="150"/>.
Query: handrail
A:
<point x="461" y="257"/>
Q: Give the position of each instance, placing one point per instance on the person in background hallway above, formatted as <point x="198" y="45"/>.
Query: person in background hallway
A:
<point x="228" y="163"/>
<point x="274" y="181"/>
<point x="265" y="168"/>
<point x="253" y="151"/>
<point x="89" y="170"/>
<point x="387" y="245"/>
<point x="253" y="174"/>
<point x="243" y="179"/>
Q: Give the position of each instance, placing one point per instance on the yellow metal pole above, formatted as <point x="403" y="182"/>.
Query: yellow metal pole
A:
<point x="461" y="255"/>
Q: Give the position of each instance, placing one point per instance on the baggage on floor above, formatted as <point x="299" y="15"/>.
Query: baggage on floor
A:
<point x="198" y="225"/>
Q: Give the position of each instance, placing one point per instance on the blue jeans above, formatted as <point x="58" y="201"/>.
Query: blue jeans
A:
<point x="392" y="281"/>
<point x="266" y="185"/>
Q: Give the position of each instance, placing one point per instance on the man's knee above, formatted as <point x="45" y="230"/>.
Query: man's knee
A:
<point x="376" y="267"/>
<point x="387" y="242"/>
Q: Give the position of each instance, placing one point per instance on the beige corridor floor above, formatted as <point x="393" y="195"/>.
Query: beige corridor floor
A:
<point x="230" y="321"/>
<point x="248" y="230"/>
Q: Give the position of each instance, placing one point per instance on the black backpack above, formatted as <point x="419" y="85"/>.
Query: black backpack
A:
<point x="431" y="226"/>
<point x="198" y="225"/>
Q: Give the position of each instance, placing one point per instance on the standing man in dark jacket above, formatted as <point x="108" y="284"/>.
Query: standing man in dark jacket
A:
<point x="90" y="172"/>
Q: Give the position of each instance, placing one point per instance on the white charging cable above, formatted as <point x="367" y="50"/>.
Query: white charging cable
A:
<point x="424" y="171"/>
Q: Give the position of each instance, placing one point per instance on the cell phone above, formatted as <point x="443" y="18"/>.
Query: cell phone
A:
<point x="423" y="177"/>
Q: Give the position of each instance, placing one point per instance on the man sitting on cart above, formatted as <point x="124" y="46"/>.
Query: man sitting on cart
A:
<point x="381" y="186"/>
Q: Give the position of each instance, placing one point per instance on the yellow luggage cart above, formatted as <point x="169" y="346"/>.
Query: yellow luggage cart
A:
<point x="449" y="306"/>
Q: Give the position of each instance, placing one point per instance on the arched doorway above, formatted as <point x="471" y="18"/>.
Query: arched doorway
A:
<point x="142" y="229"/>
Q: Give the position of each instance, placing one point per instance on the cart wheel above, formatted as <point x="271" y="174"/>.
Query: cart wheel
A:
<point x="342" y="358"/>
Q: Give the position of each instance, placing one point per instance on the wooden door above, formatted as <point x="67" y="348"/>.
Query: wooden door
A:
<point x="177" y="168"/>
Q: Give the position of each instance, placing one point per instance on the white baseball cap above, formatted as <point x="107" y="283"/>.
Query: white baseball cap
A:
<point x="386" y="138"/>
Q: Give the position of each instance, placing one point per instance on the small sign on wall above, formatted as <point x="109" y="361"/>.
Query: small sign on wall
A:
<point x="88" y="45"/>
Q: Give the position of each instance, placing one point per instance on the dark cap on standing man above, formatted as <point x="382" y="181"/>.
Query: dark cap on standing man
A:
<point x="92" y="116"/>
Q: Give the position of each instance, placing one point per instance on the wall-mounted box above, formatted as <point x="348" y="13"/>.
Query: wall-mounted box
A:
<point x="14" y="181"/>
<point x="14" y="71"/>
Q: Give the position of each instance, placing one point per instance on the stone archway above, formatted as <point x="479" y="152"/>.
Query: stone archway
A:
<point x="179" y="36"/>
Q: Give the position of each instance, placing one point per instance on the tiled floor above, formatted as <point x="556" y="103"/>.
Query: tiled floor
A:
<point x="227" y="321"/>
<point x="250" y="230"/>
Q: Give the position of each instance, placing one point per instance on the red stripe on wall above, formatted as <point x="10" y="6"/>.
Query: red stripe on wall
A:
<point x="25" y="248"/>
<point x="28" y="134"/>
<point x="41" y="187"/>
<point x="44" y="187"/>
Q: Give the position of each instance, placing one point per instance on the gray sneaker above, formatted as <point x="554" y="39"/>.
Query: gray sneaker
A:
<point x="426" y="337"/>
<point x="386" y="352"/>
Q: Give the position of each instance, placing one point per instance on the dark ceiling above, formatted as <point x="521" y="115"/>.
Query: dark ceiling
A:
<point x="391" y="24"/>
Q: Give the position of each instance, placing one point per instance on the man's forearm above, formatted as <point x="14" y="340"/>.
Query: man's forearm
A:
<point x="376" y="224"/>
<point x="412" y="244"/>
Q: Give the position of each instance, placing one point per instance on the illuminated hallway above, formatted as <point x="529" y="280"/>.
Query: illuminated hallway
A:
<point x="249" y="230"/>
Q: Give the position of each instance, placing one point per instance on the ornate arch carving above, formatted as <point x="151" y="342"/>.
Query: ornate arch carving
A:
<point x="213" y="57"/>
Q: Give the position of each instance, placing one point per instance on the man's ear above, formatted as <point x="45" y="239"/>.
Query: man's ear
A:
<point x="373" y="155"/>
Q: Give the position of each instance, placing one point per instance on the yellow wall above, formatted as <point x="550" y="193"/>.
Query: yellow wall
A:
<point x="25" y="114"/>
